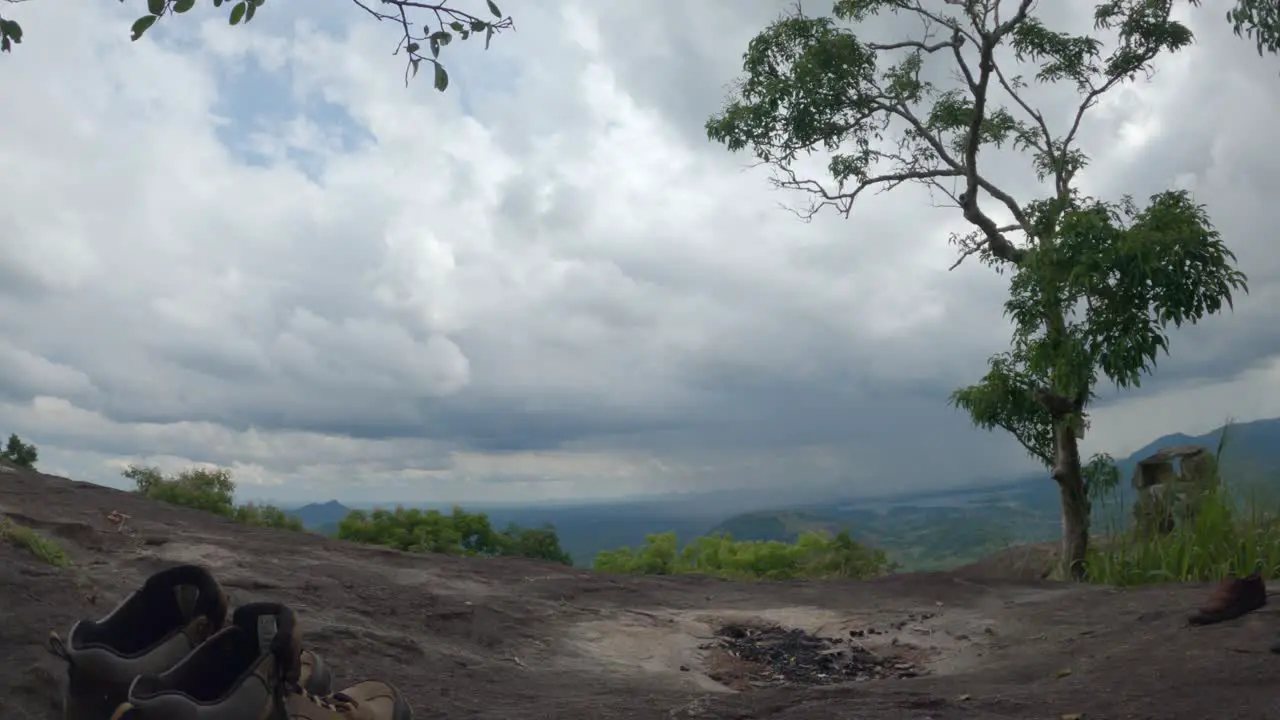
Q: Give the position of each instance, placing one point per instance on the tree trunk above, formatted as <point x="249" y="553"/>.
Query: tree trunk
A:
<point x="1075" y="501"/>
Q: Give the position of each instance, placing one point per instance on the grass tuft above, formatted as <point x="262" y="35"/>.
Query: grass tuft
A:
<point x="38" y="545"/>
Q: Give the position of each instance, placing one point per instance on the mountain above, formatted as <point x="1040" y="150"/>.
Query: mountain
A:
<point x="321" y="517"/>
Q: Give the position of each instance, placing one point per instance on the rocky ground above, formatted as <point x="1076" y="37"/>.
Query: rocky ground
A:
<point x="510" y="640"/>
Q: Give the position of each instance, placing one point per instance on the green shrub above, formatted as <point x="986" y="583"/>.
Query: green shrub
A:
<point x="209" y="489"/>
<point x="458" y="533"/>
<point x="812" y="555"/>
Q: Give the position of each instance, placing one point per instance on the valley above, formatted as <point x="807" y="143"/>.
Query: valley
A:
<point x="932" y="530"/>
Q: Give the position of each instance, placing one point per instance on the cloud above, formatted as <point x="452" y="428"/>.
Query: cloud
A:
<point x="255" y="247"/>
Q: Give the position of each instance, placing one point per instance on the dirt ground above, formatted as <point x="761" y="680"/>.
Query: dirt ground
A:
<point x="511" y="640"/>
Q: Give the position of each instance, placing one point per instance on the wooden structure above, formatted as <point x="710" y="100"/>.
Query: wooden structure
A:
<point x="1170" y="484"/>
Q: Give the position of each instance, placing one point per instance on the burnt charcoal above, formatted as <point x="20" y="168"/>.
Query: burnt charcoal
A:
<point x="793" y="656"/>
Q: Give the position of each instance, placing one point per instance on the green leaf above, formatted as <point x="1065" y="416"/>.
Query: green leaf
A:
<point x="494" y="9"/>
<point x="457" y="26"/>
<point x="259" y="3"/>
<point x="414" y="63"/>
<point x="11" y="29"/>
<point x="181" y="6"/>
<point x="5" y="46"/>
<point x="442" y="78"/>
<point x="238" y="11"/>
<point x="248" y="15"/>
<point x="412" y="47"/>
<point x="140" y="26"/>
<point x="217" y="3"/>
<point x="156" y="7"/>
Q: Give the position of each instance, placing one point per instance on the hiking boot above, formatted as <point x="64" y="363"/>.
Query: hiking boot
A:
<point x="253" y="669"/>
<point x="1234" y="596"/>
<point x="148" y="632"/>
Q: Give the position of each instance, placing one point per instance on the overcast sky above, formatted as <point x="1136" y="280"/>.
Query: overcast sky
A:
<point x="255" y="247"/>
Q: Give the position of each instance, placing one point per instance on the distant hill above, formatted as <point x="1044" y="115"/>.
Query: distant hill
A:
<point x="1250" y="453"/>
<point x="777" y="525"/>
<point x="922" y="530"/>
<point x="321" y="517"/>
<point x="943" y="529"/>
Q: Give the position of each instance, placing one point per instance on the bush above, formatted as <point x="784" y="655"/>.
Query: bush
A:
<point x="208" y="489"/>
<point x="20" y="453"/>
<point x="812" y="555"/>
<point x="458" y="533"/>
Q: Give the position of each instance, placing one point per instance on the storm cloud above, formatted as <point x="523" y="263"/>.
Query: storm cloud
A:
<point x="256" y="247"/>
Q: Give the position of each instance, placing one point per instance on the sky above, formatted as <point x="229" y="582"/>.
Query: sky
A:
<point x="256" y="248"/>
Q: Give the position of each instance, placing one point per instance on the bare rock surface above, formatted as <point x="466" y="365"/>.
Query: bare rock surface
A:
<point x="514" y="640"/>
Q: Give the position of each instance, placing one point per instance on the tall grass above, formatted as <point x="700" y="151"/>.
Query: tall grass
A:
<point x="1233" y="532"/>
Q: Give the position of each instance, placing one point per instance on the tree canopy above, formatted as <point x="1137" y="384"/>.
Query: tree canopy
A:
<point x="1257" y="20"/>
<point x="456" y="533"/>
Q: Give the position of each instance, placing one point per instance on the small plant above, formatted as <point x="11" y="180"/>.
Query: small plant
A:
<point x="33" y="542"/>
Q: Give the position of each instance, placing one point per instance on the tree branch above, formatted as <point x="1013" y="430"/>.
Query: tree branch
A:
<point x="996" y="241"/>
<point x="447" y="19"/>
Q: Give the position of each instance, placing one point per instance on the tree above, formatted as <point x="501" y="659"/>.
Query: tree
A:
<point x="458" y="533"/>
<point x="440" y="25"/>
<point x="20" y="453"/>
<point x="1095" y="284"/>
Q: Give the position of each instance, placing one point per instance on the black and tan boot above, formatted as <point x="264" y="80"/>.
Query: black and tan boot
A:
<point x="148" y="632"/>
<point x="255" y="668"/>
<point x="1234" y="596"/>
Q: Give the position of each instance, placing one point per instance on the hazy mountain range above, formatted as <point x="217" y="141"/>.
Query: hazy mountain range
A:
<point x="922" y="530"/>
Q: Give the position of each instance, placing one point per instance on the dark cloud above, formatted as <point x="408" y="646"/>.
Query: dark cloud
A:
<point x="547" y="278"/>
